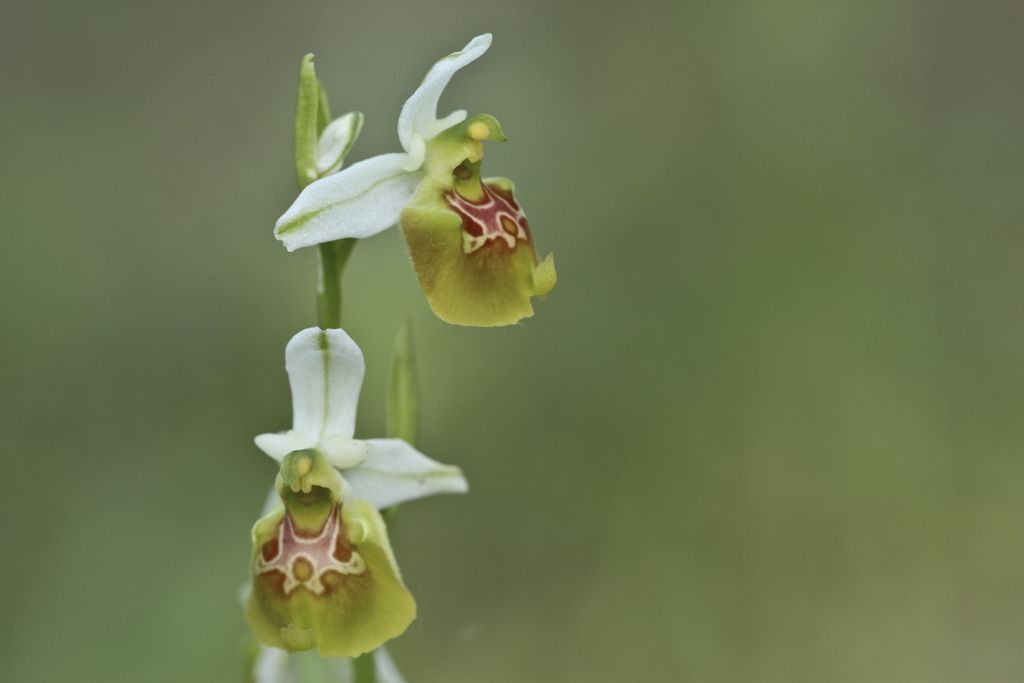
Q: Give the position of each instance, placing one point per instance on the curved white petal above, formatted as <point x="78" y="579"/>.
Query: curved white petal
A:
<point x="336" y="141"/>
<point x="419" y="113"/>
<point x="359" y="201"/>
<point x="344" y="452"/>
<point x="394" y="472"/>
<point x="387" y="671"/>
<point x="272" y="667"/>
<point x="417" y="154"/>
<point x="279" y="444"/>
<point x="325" y="370"/>
<point x="455" y="117"/>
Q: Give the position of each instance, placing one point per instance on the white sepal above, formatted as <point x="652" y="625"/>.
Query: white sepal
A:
<point x="394" y="472"/>
<point x="279" y="444"/>
<point x="419" y="114"/>
<point x="359" y="201"/>
<point x="325" y="370"/>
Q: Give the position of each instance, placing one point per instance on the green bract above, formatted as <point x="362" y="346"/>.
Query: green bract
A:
<point x="471" y="246"/>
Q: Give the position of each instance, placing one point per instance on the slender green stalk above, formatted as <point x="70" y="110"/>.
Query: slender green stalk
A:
<point x="332" y="259"/>
<point x="312" y="114"/>
<point x="331" y="265"/>
<point x="364" y="669"/>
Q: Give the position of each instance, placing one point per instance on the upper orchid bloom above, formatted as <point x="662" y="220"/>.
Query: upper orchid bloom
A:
<point x="325" y="371"/>
<point x="368" y="196"/>
<point x="469" y="240"/>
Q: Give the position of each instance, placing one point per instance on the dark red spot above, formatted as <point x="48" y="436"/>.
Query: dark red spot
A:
<point x="270" y="550"/>
<point x="342" y="550"/>
<point x="272" y="581"/>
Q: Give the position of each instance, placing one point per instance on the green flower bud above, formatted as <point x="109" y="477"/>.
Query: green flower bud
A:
<point x="307" y="112"/>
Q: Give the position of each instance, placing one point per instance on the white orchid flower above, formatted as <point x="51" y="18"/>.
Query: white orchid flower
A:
<point x="325" y="370"/>
<point x="368" y="197"/>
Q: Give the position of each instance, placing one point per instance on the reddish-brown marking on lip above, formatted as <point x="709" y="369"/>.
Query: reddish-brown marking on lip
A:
<point x="304" y="560"/>
<point x="495" y="219"/>
<point x="342" y="550"/>
<point x="272" y="581"/>
<point x="270" y="549"/>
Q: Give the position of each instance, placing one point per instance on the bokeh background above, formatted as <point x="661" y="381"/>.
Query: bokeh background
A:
<point x="768" y="427"/>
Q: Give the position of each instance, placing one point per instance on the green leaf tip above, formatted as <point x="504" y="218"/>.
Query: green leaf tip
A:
<point x="544" y="276"/>
<point x="403" y="403"/>
<point x="307" y="113"/>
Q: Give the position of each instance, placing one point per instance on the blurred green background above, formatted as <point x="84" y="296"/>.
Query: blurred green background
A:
<point x="767" y="427"/>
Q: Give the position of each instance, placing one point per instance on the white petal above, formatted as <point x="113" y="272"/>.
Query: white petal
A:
<point x="417" y="154"/>
<point x="272" y="667"/>
<point x="419" y="113"/>
<point x="359" y="201"/>
<point x="279" y="444"/>
<point x="447" y="122"/>
<point x="394" y="472"/>
<point x="325" y="370"/>
<point x="336" y="141"/>
<point x="387" y="671"/>
<point x="344" y="452"/>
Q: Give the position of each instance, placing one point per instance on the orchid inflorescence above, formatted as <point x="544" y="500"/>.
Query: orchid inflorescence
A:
<point x="325" y="591"/>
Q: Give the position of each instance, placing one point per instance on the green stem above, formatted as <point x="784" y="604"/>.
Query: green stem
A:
<point x="309" y="668"/>
<point x="364" y="669"/>
<point x="332" y="259"/>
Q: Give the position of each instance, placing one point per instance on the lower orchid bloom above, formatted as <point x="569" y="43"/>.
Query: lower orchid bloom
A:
<point x="470" y="243"/>
<point x="323" y="573"/>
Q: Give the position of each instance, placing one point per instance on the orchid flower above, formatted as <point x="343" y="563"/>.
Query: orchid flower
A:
<point x="469" y="240"/>
<point x="323" y="573"/>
